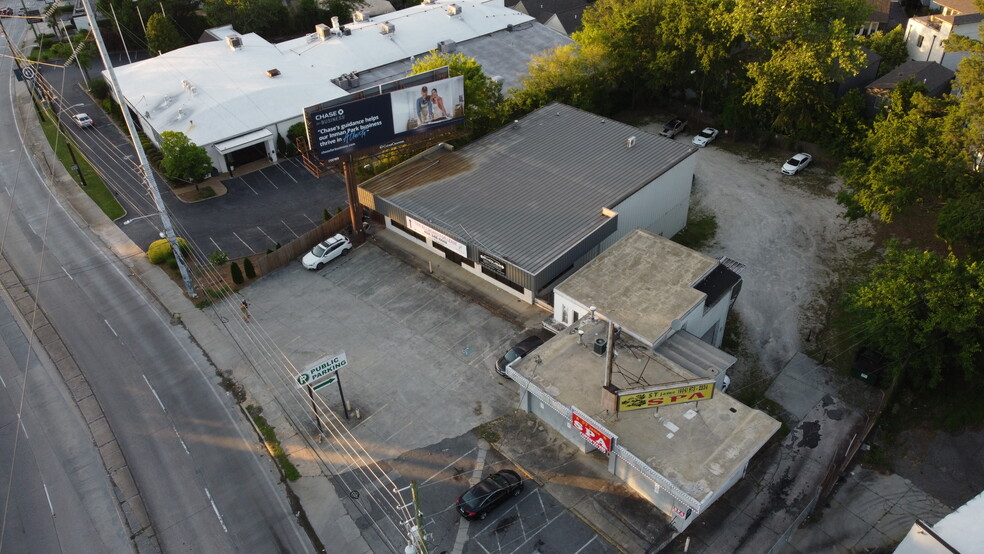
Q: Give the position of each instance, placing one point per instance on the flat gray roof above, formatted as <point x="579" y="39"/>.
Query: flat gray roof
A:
<point x="698" y="447"/>
<point x="643" y="283"/>
<point x="534" y="189"/>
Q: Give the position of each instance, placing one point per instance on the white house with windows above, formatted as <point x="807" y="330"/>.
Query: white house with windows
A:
<point x="925" y="35"/>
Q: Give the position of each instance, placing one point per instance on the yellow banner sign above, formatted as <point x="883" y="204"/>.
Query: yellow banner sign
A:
<point x="665" y="397"/>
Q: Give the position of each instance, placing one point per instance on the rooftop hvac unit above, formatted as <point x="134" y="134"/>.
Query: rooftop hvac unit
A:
<point x="387" y="28"/>
<point x="454" y="9"/>
<point x="353" y="80"/>
<point x="359" y="16"/>
<point x="234" y="41"/>
<point x="324" y="31"/>
<point x="630" y="142"/>
<point x="426" y="1"/>
<point x="273" y="73"/>
<point x="447" y="46"/>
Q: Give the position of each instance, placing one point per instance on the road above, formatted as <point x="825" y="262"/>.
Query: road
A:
<point x="201" y="472"/>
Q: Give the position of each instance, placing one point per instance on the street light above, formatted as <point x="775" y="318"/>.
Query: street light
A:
<point x="70" y="107"/>
<point x="132" y="219"/>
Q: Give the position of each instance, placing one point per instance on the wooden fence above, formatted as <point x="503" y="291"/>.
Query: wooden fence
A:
<point x="296" y="248"/>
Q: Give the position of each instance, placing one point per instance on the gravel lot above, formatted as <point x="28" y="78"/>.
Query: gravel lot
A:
<point x="788" y="231"/>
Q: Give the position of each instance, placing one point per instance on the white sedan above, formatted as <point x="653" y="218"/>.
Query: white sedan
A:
<point x="796" y="163"/>
<point x="704" y="137"/>
<point x="326" y="251"/>
<point x="82" y="120"/>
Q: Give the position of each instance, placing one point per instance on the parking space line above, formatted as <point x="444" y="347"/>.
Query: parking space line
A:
<point x="462" y="537"/>
<point x="242" y="241"/>
<point x="217" y="247"/>
<point x="587" y="544"/>
<point x="286" y="173"/>
<point x="443" y="469"/>
<point x="243" y="181"/>
<point x="266" y="235"/>
<point x="263" y="173"/>
<point x="289" y="229"/>
<point x="311" y="221"/>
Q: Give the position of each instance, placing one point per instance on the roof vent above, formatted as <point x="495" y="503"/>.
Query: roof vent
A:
<point x="454" y="9"/>
<point x="324" y="31"/>
<point x="346" y="31"/>
<point x="630" y="142"/>
<point x="426" y="1"/>
<point x="234" y="41"/>
<point x="334" y="25"/>
<point x="273" y="73"/>
<point x="359" y="16"/>
<point x="447" y="46"/>
<point x="387" y="28"/>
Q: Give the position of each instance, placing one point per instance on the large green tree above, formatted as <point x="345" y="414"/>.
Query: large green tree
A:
<point x="183" y="159"/>
<point x="890" y="46"/>
<point x="483" y="95"/>
<point x="162" y="36"/>
<point x="926" y="313"/>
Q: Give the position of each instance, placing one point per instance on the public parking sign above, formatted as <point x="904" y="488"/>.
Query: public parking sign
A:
<point x="321" y="369"/>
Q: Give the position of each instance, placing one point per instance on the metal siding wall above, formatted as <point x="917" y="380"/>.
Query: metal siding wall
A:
<point x="574" y="255"/>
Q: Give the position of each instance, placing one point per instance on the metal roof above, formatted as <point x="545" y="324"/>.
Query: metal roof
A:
<point x="535" y="188"/>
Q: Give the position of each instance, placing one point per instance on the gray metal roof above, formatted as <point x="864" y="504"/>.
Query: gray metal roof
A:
<point x="695" y="355"/>
<point x="533" y="189"/>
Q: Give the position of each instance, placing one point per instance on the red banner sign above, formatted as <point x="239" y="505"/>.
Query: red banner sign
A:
<point x="592" y="435"/>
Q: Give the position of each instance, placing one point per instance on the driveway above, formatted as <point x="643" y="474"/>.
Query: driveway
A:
<point x="788" y="231"/>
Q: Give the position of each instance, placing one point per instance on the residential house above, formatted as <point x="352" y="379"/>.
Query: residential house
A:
<point x="925" y="35"/>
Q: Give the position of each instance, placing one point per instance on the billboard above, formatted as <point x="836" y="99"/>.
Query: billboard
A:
<point x="386" y="118"/>
<point x="666" y="395"/>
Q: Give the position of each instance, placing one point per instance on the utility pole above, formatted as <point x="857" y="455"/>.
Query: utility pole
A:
<point x="148" y="171"/>
<point x="417" y="531"/>
<point x="68" y="144"/>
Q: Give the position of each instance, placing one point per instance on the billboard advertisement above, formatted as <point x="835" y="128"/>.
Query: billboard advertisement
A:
<point x="654" y="397"/>
<point x="385" y="119"/>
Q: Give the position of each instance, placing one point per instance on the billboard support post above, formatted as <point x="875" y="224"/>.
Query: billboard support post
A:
<point x="352" y="190"/>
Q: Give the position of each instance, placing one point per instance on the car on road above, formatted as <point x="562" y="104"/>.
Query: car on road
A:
<point x="488" y="493"/>
<point x="704" y="137"/>
<point x="795" y="164"/>
<point x="82" y="120"/>
<point x="326" y="251"/>
<point x="522" y="348"/>
<point x="674" y="127"/>
<point x="6" y="12"/>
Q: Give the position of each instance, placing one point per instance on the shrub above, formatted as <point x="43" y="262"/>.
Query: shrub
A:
<point x="325" y="216"/>
<point x="237" y="274"/>
<point x="218" y="257"/>
<point x="160" y="250"/>
<point x="172" y="263"/>
<point x="249" y="269"/>
<point x="99" y="88"/>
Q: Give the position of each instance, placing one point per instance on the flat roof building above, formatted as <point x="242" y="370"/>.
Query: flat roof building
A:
<point x="654" y="407"/>
<point x="236" y="95"/>
<point x="538" y="198"/>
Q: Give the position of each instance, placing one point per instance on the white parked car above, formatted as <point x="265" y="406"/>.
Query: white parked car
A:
<point x="704" y="137"/>
<point x="82" y="120"/>
<point x="796" y="163"/>
<point x="324" y="252"/>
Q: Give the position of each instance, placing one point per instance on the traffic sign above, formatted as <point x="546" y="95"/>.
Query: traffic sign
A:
<point x="322" y="368"/>
<point x="28" y="72"/>
<point x="325" y="383"/>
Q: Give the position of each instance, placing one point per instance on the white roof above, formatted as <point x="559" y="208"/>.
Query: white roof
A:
<point x="212" y="92"/>
<point x="961" y="530"/>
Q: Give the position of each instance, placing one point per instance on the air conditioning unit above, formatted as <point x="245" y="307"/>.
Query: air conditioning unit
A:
<point x="447" y="46"/>
<point x="273" y="73"/>
<point x="454" y="9"/>
<point x="359" y="16"/>
<point x="346" y="31"/>
<point x="324" y="31"/>
<point x="234" y="41"/>
<point x="387" y="28"/>
<point x="353" y="80"/>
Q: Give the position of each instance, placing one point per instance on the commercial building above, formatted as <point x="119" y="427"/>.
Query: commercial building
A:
<point x="630" y="379"/>
<point x="532" y="202"/>
<point x="236" y="96"/>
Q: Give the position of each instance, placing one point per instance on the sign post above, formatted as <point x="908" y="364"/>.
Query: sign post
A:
<point x="321" y="374"/>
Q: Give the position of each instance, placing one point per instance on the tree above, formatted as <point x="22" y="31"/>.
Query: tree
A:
<point x="561" y="75"/>
<point x="902" y="160"/>
<point x="267" y="18"/>
<point x="483" y="96"/>
<point x="161" y="35"/>
<point x="183" y="159"/>
<point x="890" y="46"/>
<point x="926" y="313"/>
